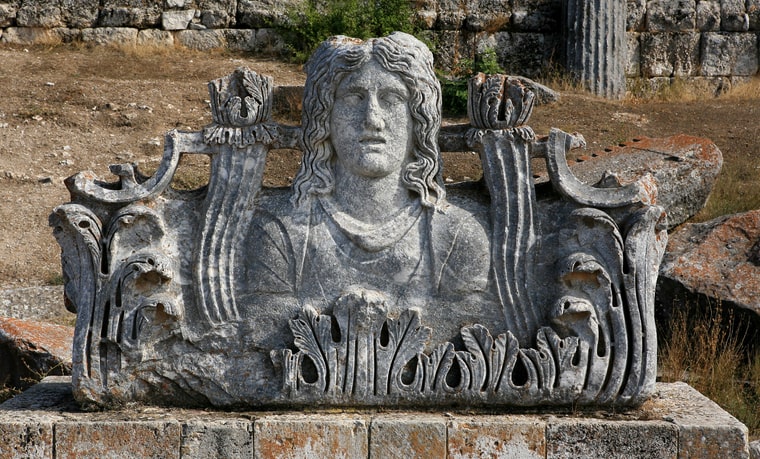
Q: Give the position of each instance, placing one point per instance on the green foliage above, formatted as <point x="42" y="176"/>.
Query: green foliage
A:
<point x="316" y="20"/>
<point x="454" y="85"/>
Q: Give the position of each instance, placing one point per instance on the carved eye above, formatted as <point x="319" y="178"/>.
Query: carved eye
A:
<point x="392" y="98"/>
<point x="351" y="98"/>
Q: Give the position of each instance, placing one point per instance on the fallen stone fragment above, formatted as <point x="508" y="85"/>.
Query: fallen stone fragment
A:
<point x="31" y="350"/>
<point x="718" y="260"/>
<point x="683" y="167"/>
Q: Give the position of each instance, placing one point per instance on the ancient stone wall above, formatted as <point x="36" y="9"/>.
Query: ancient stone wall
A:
<point x="710" y="42"/>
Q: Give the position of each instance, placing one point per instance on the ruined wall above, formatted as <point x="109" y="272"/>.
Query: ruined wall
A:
<point x="710" y="42"/>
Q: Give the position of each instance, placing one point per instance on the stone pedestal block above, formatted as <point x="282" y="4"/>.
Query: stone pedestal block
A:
<point x="676" y="422"/>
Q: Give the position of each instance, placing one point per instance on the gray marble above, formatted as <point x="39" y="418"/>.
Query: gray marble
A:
<point x="368" y="282"/>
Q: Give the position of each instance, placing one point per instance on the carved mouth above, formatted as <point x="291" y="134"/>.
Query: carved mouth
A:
<point x="372" y="140"/>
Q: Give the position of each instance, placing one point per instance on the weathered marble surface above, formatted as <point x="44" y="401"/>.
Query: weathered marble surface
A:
<point x="369" y="282"/>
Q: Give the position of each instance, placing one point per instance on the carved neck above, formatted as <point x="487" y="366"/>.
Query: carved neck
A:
<point x="370" y="199"/>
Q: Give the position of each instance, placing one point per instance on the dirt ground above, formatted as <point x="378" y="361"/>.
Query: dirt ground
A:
<point x="69" y="109"/>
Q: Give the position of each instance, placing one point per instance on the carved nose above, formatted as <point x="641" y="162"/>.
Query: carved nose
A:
<point x="373" y="118"/>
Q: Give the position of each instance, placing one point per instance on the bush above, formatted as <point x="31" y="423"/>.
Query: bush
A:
<point x="454" y="85"/>
<point x="316" y="20"/>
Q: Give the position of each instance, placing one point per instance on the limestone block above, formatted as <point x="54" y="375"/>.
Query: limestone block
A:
<point x="636" y="15"/>
<point x="269" y="41"/>
<point x="203" y="40"/>
<point x="217" y="14"/>
<point x="708" y="15"/>
<point x="525" y="53"/>
<point x="66" y="35"/>
<point x="753" y="11"/>
<point x="110" y="36"/>
<point x="241" y="39"/>
<point x="80" y="14"/>
<point x="484" y="15"/>
<point x="29" y="36"/>
<point x="30" y="350"/>
<point x="754" y="449"/>
<point x="451" y="48"/>
<point x="536" y="15"/>
<point x="255" y="14"/>
<point x="497" y="436"/>
<point x="584" y="438"/>
<point x="30" y="440"/>
<point x="124" y="16"/>
<point x="733" y="54"/>
<point x="705" y="430"/>
<point x="155" y="38"/>
<point x="8" y="14"/>
<point x="212" y="438"/>
<point x="40" y="13"/>
<point x="669" y="54"/>
<point x="122" y="439"/>
<point x="671" y="15"/>
<point x="451" y="15"/>
<point x="633" y="60"/>
<point x="294" y="437"/>
<point x="733" y="16"/>
<point x="416" y="435"/>
<point x="718" y="259"/>
<point x="176" y="20"/>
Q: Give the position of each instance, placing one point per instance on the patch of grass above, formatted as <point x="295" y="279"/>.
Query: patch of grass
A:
<point x="702" y="348"/>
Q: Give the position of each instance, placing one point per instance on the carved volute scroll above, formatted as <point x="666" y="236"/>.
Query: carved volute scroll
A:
<point x="368" y="283"/>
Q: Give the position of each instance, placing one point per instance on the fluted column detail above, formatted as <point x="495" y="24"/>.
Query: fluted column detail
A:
<point x="595" y="45"/>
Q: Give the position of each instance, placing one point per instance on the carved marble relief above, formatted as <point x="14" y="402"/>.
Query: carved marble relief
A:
<point x="368" y="282"/>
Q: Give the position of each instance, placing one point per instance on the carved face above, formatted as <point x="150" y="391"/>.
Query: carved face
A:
<point x="371" y="124"/>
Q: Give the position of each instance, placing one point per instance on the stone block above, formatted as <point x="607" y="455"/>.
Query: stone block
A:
<point x="40" y="13"/>
<point x="733" y="16"/>
<point x="28" y="36"/>
<point x="217" y="14"/>
<point x="451" y="46"/>
<point x="222" y="439"/>
<point x="536" y="15"/>
<point x="584" y="438"/>
<point x="8" y="14"/>
<point x="705" y="430"/>
<point x="203" y="40"/>
<point x="636" y="15"/>
<point x="241" y="39"/>
<point x="131" y="439"/>
<point x="525" y="53"/>
<point x="294" y="436"/>
<point x="26" y="440"/>
<point x="451" y="15"/>
<point x="671" y="15"/>
<point x="269" y="41"/>
<point x="708" y="15"/>
<point x="753" y="11"/>
<point x="155" y="38"/>
<point x="176" y="20"/>
<point x="497" y="436"/>
<point x="30" y="349"/>
<point x="110" y="36"/>
<point x="733" y="54"/>
<point x="418" y="436"/>
<point x="123" y="16"/>
<point x="255" y="14"/>
<point x="80" y="14"/>
<point x="483" y="15"/>
<point x="633" y="59"/>
<point x="669" y="54"/>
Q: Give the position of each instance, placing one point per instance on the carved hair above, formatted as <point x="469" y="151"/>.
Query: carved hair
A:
<point x="399" y="53"/>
